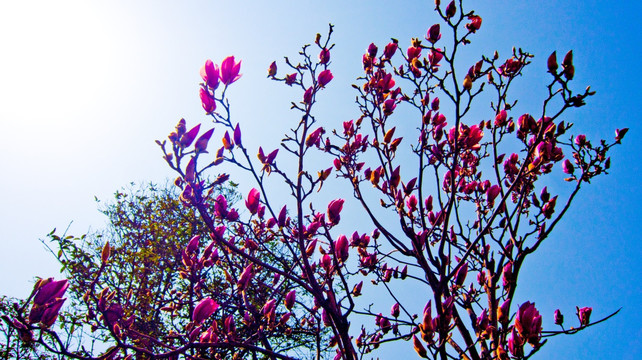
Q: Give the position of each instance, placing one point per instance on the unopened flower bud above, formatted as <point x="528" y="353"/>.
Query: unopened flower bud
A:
<point x="552" y="63"/>
<point x="559" y="318"/>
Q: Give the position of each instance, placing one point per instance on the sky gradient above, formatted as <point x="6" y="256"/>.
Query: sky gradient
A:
<point x="86" y="88"/>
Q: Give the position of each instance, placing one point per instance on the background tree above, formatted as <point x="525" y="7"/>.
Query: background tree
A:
<point x="461" y="223"/>
<point x="148" y="230"/>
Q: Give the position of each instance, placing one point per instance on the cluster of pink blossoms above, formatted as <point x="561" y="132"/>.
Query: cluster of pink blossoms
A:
<point x="213" y="75"/>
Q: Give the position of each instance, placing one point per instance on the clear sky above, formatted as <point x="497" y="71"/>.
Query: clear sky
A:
<point x="86" y="87"/>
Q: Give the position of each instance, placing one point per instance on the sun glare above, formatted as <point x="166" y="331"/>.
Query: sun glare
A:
<point x="56" y="57"/>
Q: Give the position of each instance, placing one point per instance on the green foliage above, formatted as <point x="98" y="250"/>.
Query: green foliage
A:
<point x="147" y="230"/>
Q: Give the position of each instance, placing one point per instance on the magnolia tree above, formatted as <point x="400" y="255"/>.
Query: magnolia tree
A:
<point x="465" y="192"/>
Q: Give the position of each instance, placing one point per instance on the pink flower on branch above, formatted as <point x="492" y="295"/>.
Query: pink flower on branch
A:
<point x="529" y="323"/>
<point x="334" y="211"/>
<point x="245" y="277"/>
<point x="307" y="96"/>
<point x="390" y="50"/>
<point x="413" y="52"/>
<point x="584" y="315"/>
<point x="272" y="69"/>
<point x="50" y="291"/>
<point x="200" y="146"/>
<point x="324" y="78"/>
<point x="210" y="74"/>
<point x="207" y="100"/>
<point x="290" y="79"/>
<point x="324" y="56"/>
<point x="252" y="202"/>
<point x="230" y="70"/>
<point x="433" y="34"/>
<point x="475" y="23"/>
<point x="341" y="247"/>
<point x="51" y="312"/>
<point x="204" y="309"/>
<point x="188" y="137"/>
<point x="558" y="317"/>
<point x="290" y="298"/>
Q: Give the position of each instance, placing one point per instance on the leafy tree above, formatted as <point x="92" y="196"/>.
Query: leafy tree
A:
<point x="456" y="222"/>
<point x="147" y="233"/>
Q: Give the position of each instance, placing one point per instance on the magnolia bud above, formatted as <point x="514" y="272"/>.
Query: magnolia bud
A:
<point x="552" y="63"/>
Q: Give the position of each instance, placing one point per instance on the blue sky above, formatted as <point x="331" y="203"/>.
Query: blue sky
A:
<point x="86" y="88"/>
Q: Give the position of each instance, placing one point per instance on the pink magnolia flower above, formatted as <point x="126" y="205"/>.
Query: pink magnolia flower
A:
<point x="435" y="57"/>
<point x="619" y="134"/>
<point x="474" y="24"/>
<point x="227" y="141"/>
<point x="192" y="246"/>
<point x="584" y="315"/>
<point x="245" y="277"/>
<point x="252" y="202"/>
<point x="290" y="79"/>
<point x="491" y="194"/>
<point x="551" y="63"/>
<point x="372" y="50"/>
<point x="385" y="325"/>
<point x="390" y="50"/>
<point x="50" y="291"/>
<point x="228" y="325"/>
<point x="272" y="69"/>
<point x="549" y="208"/>
<point x="500" y="118"/>
<point x="389" y="106"/>
<point x="510" y="68"/>
<point x="451" y="9"/>
<point x="567" y="167"/>
<point x="209" y="336"/>
<point x="516" y="344"/>
<point x="413" y="53"/>
<point x="434" y="105"/>
<point x="326" y="263"/>
<point x="230" y="70"/>
<point x="207" y="100"/>
<point x="282" y="218"/>
<point x="341" y="247"/>
<point x="427" y="326"/>
<point x="559" y="318"/>
<point x="267" y="160"/>
<point x="394" y="311"/>
<point x="204" y="309"/>
<point x="307" y="96"/>
<point x="419" y="347"/>
<point x="324" y="56"/>
<point x="50" y="314"/>
<point x="528" y="323"/>
<point x="502" y="312"/>
<point x="188" y="137"/>
<point x="507" y="277"/>
<point x="237" y="135"/>
<point x="411" y="203"/>
<point x="314" y="138"/>
<point x="433" y="34"/>
<point x="325" y="77"/>
<point x="482" y="321"/>
<point x="290" y="298"/>
<point x="334" y="211"/>
<point x="460" y="277"/>
<point x="201" y="144"/>
<point x="367" y="63"/>
<point x="210" y="74"/>
<point x="268" y="308"/>
<point x="190" y="171"/>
